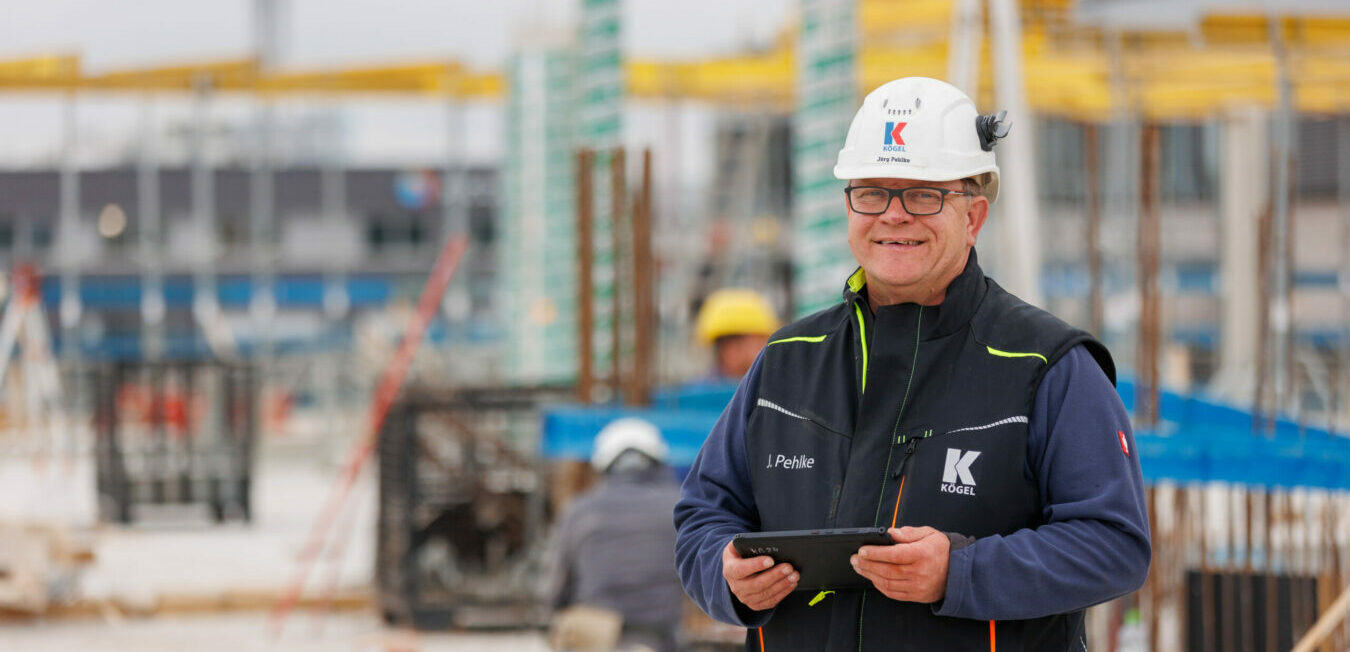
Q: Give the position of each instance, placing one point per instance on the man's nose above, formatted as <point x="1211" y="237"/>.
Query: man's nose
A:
<point x="896" y="213"/>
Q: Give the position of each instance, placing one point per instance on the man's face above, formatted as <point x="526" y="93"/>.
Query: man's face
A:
<point x="911" y="258"/>
<point x="737" y="353"/>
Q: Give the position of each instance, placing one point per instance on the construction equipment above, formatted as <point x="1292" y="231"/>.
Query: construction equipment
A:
<point x="175" y="433"/>
<point x="462" y="507"/>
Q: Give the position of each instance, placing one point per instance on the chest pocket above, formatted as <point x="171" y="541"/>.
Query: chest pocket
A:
<point x="970" y="480"/>
<point x="796" y="467"/>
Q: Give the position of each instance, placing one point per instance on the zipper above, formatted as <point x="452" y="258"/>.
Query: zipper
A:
<point x="913" y="366"/>
<point x="862" y="336"/>
<point x="900" y="473"/>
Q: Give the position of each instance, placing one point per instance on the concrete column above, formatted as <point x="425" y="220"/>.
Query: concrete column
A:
<point x="1244" y="186"/>
<point x="1019" y="206"/>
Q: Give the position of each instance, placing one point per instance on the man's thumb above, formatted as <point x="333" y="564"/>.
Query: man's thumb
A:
<point x="908" y="534"/>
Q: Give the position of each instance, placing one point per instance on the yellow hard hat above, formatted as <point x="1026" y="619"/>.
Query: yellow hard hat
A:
<point x="734" y="311"/>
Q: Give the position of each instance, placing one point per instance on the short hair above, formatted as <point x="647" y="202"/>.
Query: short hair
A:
<point x="972" y="187"/>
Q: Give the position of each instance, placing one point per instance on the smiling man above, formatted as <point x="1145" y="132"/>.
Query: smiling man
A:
<point x="984" y="432"/>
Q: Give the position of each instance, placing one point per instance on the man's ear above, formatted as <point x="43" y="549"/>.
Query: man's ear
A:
<point x="976" y="214"/>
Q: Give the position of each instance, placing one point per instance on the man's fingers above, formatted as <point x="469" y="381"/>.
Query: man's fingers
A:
<point x="900" y="553"/>
<point x="757" y="582"/>
<point x="873" y="569"/>
<point x="735" y="567"/>
<point x="905" y="550"/>
<point x="769" y="593"/>
<point x="765" y="589"/>
<point x="909" y="534"/>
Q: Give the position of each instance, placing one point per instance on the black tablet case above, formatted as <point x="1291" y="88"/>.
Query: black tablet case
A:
<point x="821" y="556"/>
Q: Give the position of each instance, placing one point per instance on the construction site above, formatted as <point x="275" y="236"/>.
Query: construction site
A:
<point x="305" y="345"/>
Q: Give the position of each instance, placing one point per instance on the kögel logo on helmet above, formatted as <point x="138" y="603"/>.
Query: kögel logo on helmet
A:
<point x="893" y="130"/>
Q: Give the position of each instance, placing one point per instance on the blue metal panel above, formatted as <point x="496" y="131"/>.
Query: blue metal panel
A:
<point x="292" y="292"/>
<point x="569" y="430"/>
<point x="1198" y="440"/>
<point x="1201" y="440"/>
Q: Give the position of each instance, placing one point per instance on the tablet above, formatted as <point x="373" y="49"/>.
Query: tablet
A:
<point x="821" y="556"/>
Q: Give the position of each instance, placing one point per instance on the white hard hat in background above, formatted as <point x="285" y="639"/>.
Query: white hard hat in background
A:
<point x="628" y="433"/>
<point x="924" y="129"/>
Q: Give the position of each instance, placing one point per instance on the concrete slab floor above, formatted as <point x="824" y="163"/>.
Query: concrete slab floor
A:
<point x="247" y="632"/>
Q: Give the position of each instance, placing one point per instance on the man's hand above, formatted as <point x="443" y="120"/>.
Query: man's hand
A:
<point x="912" y="570"/>
<point x="756" y="581"/>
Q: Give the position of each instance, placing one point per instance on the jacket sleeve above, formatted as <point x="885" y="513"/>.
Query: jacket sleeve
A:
<point x="555" y="587"/>
<point x="1094" y="543"/>
<point x="716" y="504"/>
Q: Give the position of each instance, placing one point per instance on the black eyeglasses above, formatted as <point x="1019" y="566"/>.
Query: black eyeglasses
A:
<point x="919" y="200"/>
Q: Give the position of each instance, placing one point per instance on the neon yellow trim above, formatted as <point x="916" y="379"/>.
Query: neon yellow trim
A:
<point x="857" y="280"/>
<point x="818" y="338"/>
<point x="1013" y="354"/>
<point x="819" y="596"/>
<point x="862" y="334"/>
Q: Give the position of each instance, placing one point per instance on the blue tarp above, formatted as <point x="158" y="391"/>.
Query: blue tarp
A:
<point x="1198" y="439"/>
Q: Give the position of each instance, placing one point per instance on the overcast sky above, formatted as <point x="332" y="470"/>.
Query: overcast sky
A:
<point x="319" y="33"/>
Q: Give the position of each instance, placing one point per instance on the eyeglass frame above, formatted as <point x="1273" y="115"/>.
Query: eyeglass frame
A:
<point x="900" y="192"/>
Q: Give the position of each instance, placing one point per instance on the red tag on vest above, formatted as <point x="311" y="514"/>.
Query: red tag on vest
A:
<point x="1124" y="445"/>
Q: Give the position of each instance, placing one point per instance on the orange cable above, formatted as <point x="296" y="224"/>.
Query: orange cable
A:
<point x="897" y="500"/>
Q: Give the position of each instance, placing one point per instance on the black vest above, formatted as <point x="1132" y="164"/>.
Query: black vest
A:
<point x="915" y="416"/>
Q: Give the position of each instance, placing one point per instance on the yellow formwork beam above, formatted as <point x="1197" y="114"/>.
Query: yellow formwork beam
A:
<point x="766" y="78"/>
<point x="41" y="67"/>
<point x="403" y="78"/>
<point x="44" y="72"/>
<point x="887" y="20"/>
<point x="433" y="78"/>
<point x="227" y="75"/>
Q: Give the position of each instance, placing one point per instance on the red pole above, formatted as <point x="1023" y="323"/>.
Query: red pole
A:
<point x="386" y="391"/>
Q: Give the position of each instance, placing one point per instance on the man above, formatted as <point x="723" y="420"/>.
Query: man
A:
<point x="736" y="322"/>
<point x="984" y="432"/>
<point x="609" y="563"/>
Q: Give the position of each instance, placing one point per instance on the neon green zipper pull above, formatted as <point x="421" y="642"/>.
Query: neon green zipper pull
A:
<point x="819" y="596"/>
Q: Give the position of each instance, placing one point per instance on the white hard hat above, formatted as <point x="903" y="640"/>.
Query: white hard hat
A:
<point x="628" y="433"/>
<point x="924" y="129"/>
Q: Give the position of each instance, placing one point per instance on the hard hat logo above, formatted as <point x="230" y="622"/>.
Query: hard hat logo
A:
<point x="893" y="130"/>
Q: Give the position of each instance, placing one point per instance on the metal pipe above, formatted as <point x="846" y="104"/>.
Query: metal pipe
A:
<point x="644" y="304"/>
<point x="1283" y="159"/>
<point x="618" y="202"/>
<point x="963" y="46"/>
<point x="1092" y="196"/>
<point x="151" y="236"/>
<point x="1342" y="388"/>
<point x="585" y="284"/>
<point x="69" y="232"/>
<point x="262" y="227"/>
<point x="205" y="307"/>
<point x="336" y="302"/>
<point x="267" y="34"/>
<point x="1150" y="316"/>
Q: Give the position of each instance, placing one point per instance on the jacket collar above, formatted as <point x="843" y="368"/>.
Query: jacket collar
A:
<point x="963" y="296"/>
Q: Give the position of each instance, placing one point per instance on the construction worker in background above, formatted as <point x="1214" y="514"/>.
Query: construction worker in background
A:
<point x="983" y="432"/>
<point x="736" y="323"/>
<point x="609" y="576"/>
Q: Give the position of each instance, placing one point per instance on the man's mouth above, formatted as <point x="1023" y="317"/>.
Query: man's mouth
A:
<point x="906" y="243"/>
